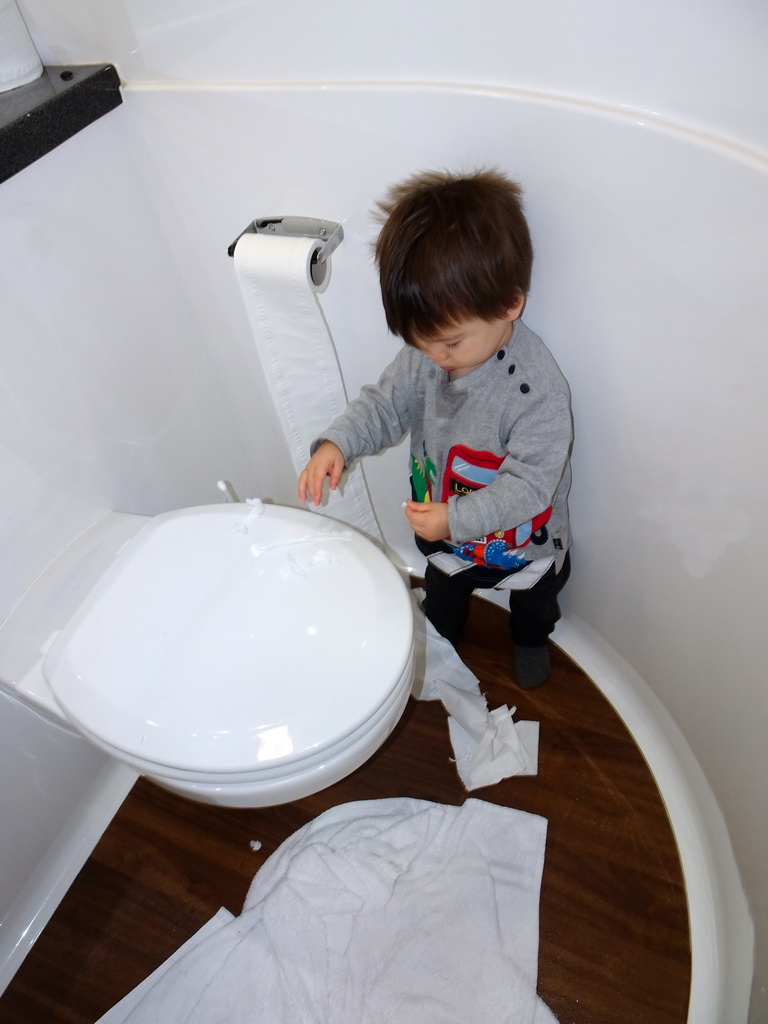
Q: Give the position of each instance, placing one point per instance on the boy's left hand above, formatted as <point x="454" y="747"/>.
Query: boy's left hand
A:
<point x="428" y="519"/>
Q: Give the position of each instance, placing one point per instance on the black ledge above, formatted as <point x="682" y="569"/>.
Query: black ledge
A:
<point x="37" y="117"/>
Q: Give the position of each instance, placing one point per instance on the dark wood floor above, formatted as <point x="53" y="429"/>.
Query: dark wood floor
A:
<point x="614" y="943"/>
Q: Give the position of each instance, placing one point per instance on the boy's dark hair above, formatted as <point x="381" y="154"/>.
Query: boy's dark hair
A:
<point x="453" y="247"/>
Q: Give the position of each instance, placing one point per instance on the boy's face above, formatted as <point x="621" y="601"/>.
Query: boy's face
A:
<point x="462" y="347"/>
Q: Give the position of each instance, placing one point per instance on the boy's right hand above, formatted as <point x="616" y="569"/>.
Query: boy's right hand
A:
<point x="327" y="461"/>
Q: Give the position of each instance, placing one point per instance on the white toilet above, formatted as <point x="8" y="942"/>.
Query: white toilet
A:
<point x="240" y="654"/>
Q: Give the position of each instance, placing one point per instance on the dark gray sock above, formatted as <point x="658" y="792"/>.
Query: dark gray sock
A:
<point x="531" y="666"/>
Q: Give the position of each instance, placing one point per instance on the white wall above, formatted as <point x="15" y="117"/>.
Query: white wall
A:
<point x="57" y="794"/>
<point x="111" y="396"/>
<point x="110" y="399"/>
<point x="639" y="131"/>
<point x="701" y="62"/>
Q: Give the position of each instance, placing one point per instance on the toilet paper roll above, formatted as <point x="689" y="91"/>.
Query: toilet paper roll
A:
<point x="298" y="356"/>
<point x="19" y="60"/>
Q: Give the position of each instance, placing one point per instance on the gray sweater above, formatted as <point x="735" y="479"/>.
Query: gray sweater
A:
<point x="494" y="444"/>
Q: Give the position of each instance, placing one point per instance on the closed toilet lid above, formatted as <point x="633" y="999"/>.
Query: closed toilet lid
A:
<point x="230" y="638"/>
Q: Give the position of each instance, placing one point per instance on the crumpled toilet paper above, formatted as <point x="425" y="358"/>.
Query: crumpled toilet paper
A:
<point x="488" y="744"/>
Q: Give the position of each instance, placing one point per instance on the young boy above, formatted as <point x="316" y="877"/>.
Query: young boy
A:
<point x="487" y="408"/>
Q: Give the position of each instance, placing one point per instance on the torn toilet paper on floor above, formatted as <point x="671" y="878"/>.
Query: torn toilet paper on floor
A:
<point x="381" y="910"/>
<point x="488" y="745"/>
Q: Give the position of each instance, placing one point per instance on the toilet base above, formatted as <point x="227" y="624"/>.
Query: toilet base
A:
<point x="284" y="790"/>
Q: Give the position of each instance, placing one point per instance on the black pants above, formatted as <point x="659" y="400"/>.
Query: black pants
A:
<point x="532" y="613"/>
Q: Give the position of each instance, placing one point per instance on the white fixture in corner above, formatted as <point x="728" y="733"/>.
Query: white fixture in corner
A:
<point x="238" y="654"/>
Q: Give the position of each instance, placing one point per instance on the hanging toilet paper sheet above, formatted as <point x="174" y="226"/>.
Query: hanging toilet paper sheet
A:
<point x="382" y="910"/>
<point x="488" y="745"/>
<point x="298" y="357"/>
<point x="19" y="60"/>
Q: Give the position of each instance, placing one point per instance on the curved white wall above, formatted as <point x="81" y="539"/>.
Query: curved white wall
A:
<point x="639" y="131"/>
<point x="700" y="62"/>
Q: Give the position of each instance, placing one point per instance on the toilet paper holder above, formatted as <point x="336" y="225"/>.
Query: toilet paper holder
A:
<point x="328" y="232"/>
